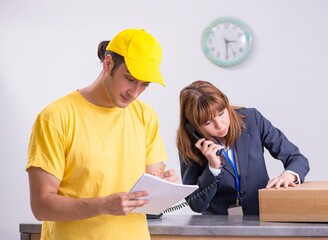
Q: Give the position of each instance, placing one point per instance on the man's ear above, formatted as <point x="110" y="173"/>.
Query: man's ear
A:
<point x="108" y="62"/>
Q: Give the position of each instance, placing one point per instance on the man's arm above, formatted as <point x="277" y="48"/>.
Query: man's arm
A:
<point x="48" y="205"/>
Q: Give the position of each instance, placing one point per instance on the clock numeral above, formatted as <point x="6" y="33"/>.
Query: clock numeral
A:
<point x="241" y="49"/>
<point x="226" y="25"/>
<point x="213" y="34"/>
<point x="217" y="28"/>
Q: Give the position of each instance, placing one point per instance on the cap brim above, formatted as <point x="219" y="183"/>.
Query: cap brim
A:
<point x="144" y="72"/>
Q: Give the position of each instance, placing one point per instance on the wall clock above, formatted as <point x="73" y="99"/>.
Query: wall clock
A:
<point x="226" y="41"/>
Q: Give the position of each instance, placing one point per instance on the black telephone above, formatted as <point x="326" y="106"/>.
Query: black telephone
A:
<point x="190" y="128"/>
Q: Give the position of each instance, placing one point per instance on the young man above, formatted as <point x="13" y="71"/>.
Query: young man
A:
<point x="88" y="148"/>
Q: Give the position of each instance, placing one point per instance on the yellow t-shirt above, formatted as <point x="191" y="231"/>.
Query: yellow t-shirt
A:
<point x="95" y="151"/>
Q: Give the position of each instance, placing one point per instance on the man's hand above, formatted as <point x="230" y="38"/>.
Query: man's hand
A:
<point x="122" y="203"/>
<point x="158" y="169"/>
<point x="170" y="175"/>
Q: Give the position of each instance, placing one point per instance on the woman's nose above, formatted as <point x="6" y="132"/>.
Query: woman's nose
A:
<point x="217" y="123"/>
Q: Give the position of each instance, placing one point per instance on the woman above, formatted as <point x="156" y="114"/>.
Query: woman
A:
<point x="226" y="160"/>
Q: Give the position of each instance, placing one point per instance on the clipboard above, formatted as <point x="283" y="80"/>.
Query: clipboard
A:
<point x="162" y="194"/>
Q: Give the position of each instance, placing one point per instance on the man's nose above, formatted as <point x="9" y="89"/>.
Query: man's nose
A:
<point x="136" y="90"/>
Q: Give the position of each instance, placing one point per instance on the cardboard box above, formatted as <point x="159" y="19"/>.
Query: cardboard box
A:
<point x="307" y="202"/>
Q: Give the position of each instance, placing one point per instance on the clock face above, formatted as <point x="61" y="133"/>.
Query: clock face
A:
<point x="226" y="41"/>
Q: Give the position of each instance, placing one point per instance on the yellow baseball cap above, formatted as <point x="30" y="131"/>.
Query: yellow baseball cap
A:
<point x="142" y="54"/>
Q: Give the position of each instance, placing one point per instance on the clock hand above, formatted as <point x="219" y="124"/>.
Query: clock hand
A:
<point x="226" y="46"/>
<point x="226" y="41"/>
<point x="229" y="41"/>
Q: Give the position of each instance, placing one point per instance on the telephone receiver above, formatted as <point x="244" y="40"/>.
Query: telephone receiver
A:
<point x="190" y="128"/>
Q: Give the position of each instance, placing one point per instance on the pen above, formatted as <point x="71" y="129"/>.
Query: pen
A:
<point x="161" y="171"/>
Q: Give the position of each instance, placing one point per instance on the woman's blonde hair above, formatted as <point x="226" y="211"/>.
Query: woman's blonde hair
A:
<point x="199" y="102"/>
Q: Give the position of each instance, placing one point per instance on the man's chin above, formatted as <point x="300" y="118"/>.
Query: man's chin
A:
<point x="122" y="105"/>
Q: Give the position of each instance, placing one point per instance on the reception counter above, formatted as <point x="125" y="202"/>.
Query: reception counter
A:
<point x="196" y="227"/>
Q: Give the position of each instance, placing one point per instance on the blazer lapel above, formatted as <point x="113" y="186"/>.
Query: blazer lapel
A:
<point x="242" y="154"/>
<point x="229" y="168"/>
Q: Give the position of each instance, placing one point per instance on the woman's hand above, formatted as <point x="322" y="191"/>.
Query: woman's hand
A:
<point x="285" y="179"/>
<point x="209" y="150"/>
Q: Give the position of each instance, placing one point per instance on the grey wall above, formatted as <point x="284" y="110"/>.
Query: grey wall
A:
<point x="48" y="49"/>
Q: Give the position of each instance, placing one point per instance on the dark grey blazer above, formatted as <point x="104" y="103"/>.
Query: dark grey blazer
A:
<point x="216" y="194"/>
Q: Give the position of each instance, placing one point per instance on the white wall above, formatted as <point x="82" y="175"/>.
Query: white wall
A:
<point x="48" y="49"/>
